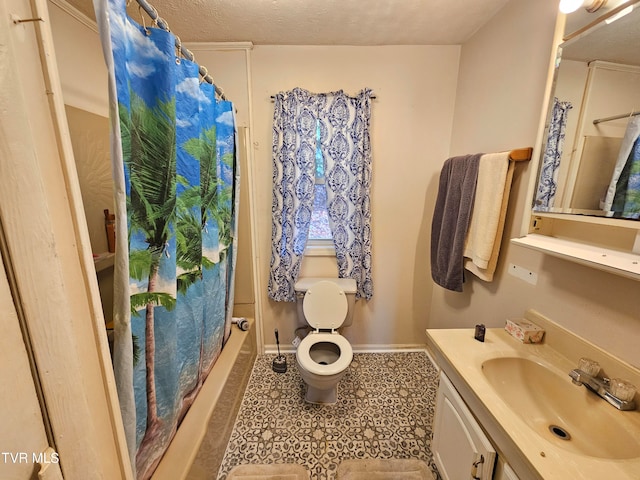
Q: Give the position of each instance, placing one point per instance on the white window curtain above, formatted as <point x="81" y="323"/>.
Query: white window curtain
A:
<point x="344" y="141"/>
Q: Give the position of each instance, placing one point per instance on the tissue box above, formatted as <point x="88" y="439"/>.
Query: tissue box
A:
<point x="524" y="330"/>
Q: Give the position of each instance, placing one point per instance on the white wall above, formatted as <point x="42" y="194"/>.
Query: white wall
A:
<point x="502" y="76"/>
<point x="411" y="131"/>
<point x="48" y="248"/>
<point x="227" y="64"/>
<point x="83" y="73"/>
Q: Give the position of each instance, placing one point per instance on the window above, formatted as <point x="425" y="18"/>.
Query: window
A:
<point x="319" y="230"/>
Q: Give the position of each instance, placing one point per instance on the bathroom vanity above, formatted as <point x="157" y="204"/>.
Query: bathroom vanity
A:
<point x="513" y="404"/>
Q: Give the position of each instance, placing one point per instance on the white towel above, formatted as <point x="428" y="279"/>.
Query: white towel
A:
<point x="484" y="236"/>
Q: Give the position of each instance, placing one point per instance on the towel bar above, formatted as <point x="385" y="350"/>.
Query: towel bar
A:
<point x="520" y="154"/>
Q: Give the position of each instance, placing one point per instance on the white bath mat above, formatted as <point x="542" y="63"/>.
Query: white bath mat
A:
<point x="274" y="471"/>
<point x="391" y="469"/>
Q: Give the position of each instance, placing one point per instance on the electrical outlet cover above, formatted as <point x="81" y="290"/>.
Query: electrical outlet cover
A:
<point x="523" y="274"/>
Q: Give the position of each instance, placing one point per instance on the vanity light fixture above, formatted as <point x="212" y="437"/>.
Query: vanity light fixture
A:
<point x="568" y="6"/>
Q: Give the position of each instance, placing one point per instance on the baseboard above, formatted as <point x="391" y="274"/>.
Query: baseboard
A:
<point x="272" y="349"/>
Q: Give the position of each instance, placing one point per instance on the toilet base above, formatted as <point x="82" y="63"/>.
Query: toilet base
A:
<point x="321" y="389"/>
<point x="321" y="396"/>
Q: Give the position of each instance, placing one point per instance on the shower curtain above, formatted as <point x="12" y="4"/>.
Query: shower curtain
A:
<point x="623" y="195"/>
<point x="176" y="181"/>
<point x="631" y="208"/>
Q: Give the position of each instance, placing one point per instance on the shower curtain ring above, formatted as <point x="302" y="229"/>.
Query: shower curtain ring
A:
<point x="159" y="22"/>
<point x="144" y="24"/>
<point x="154" y="15"/>
<point x="203" y="72"/>
<point x="179" y="55"/>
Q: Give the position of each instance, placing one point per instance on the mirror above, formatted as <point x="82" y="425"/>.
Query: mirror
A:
<point x="593" y="123"/>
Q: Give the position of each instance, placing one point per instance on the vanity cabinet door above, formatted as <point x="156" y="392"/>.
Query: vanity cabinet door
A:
<point x="505" y="473"/>
<point x="460" y="448"/>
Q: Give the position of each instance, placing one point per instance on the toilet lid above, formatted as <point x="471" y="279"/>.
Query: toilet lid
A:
<point x="325" y="305"/>
<point x="303" y="353"/>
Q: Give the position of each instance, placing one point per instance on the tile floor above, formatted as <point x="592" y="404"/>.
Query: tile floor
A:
<point x="385" y="408"/>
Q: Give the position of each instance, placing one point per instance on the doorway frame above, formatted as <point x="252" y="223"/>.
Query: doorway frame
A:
<point x="52" y="271"/>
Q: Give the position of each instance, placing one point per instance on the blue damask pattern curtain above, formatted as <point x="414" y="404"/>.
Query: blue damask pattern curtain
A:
<point x="547" y="183"/>
<point x="294" y="153"/>
<point x="345" y="144"/>
<point x="344" y="137"/>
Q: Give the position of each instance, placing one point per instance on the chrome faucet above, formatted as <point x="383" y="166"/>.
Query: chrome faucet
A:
<point x="602" y="387"/>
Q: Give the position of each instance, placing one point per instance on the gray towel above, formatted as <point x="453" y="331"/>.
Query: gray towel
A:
<point x="451" y="216"/>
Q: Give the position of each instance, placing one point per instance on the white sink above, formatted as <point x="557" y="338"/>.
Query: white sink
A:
<point x="567" y="415"/>
<point x="544" y="426"/>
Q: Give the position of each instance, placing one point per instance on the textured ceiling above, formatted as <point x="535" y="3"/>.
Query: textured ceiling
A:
<point x="321" y="22"/>
<point x="616" y="42"/>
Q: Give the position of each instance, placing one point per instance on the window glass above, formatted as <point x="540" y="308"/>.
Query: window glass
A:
<point x="319" y="229"/>
<point x="319" y="157"/>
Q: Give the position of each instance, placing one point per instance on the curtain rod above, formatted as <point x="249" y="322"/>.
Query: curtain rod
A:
<point x="162" y="23"/>
<point x="273" y="97"/>
<point x="615" y="117"/>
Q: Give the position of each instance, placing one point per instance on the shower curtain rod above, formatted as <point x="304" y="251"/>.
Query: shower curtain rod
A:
<point x="615" y="117"/>
<point x="162" y="23"/>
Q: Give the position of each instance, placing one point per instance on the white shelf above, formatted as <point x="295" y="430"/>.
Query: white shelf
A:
<point x="103" y="261"/>
<point x="626" y="264"/>
<point x="586" y="218"/>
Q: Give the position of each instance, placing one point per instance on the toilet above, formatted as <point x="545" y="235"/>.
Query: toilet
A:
<point x="324" y="355"/>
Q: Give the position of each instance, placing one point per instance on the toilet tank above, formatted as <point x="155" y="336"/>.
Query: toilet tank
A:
<point x="348" y="286"/>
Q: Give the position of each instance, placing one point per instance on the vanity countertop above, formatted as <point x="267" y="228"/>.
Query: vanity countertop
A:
<point x="532" y="456"/>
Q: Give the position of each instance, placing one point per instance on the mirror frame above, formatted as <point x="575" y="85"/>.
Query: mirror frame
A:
<point x="603" y="243"/>
<point x="561" y="40"/>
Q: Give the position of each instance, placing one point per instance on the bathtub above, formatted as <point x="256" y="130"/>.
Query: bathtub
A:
<point x="199" y="444"/>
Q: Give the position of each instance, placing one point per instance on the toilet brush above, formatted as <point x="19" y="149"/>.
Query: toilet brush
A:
<point x="280" y="362"/>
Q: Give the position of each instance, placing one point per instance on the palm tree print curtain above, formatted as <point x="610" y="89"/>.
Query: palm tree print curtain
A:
<point x="623" y="195"/>
<point x="176" y="180"/>
<point x="344" y="141"/>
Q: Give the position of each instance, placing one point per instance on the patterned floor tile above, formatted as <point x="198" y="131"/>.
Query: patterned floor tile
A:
<point x="384" y="410"/>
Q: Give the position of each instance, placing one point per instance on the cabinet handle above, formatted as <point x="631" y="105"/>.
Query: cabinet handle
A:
<point x="474" y="468"/>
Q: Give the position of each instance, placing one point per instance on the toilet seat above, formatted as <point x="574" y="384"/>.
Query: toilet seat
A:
<point x="303" y="353"/>
<point x="325" y="306"/>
